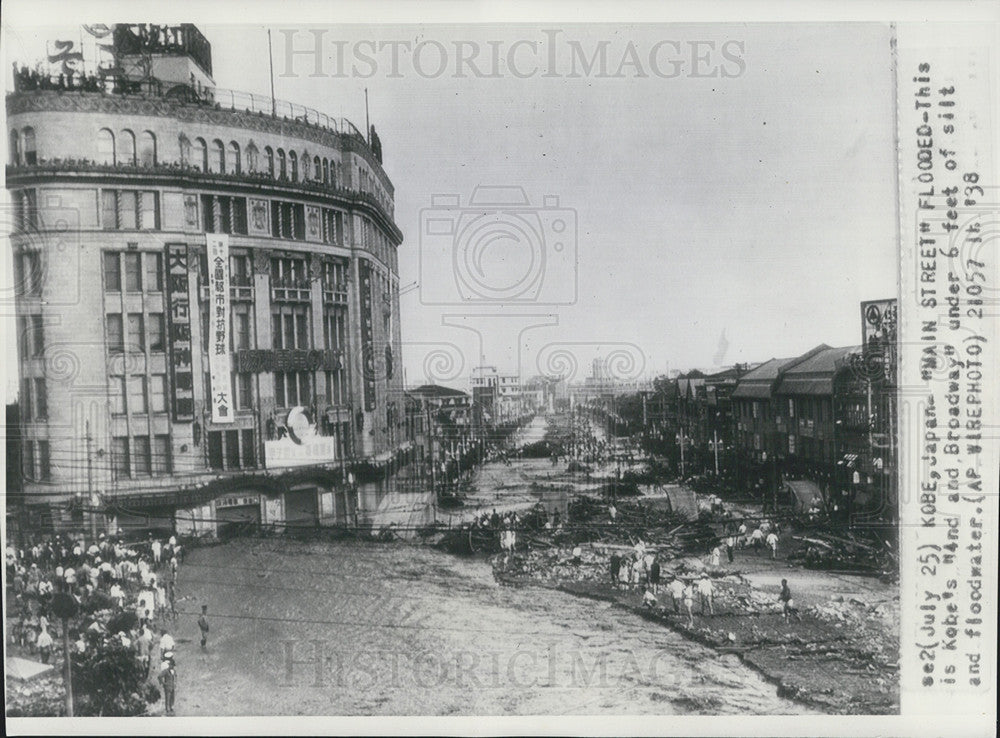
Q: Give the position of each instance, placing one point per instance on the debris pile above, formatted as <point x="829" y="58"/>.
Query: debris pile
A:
<point x="846" y="551"/>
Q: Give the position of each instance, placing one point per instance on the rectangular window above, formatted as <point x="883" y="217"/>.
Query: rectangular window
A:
<point x="119" y="456"/>
<point x="41" y="399"/>
<point x="133" y="272"/>
<point x="290" y="327"/>
<point x="109" y="210"/>
<point x="149" y="211"/>
<point x="244" y="391"/>
<point x="335" y="388"/>
<point x="232" y="449"/>
<point x="116" y="394"/>
<point x="136" y="334"/>
<point x="143" y="461"/>
<point x="116" y="337"/>
<point x="162" y="455"/>
<point x="240" y="337"/>
<point x="29" y="273"/>
<point x="137" y="395"/>
<point x="156" y="338"/>
<point x="25" y="398"/>
<point x="28" y="462"/>
<point x="791" y="408"/>
<point x="37" y="336"/>
<point x="215" y="458"/>
<point x="154" y="272"/>
<point x="239" y="270"/>
<point x="249" y="449"/>
<point x="112" y="271"/>
<point x="44" y="462"/>
<point x="128" y="210"/>
<point x="158" y="393"/>
<point x="292" y="388"/>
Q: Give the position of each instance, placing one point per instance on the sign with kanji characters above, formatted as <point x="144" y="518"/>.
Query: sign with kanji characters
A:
<point x="179" y="321"/>
<point x="219" y="364"/>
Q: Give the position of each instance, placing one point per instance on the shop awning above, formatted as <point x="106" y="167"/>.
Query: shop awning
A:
<point x="806" y="494"/>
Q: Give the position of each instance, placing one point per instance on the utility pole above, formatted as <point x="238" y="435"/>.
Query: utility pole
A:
<point x="682" y="452"/>
<point x="715" y="445"/>
<point x="90" y="487"/>
<point x="67" y="668"/>
<point x="270" y="58"/>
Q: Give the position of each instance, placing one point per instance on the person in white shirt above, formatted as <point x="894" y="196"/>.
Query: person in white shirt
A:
<point x="716" y="555"/>
<point x="772" y="541"/>
<point x="689" y="602"/>
<point x="44" y="644"/>
<point x="117" y="594"/>
<point x="156" y="548"/>
<point x="676" y="588"/>
<point x="166" y="642"/>
<point x="756" y="538"/>
<point x="706" y="592"/>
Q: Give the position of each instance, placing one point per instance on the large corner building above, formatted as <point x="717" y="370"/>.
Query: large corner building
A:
<point x="166" y="231"/>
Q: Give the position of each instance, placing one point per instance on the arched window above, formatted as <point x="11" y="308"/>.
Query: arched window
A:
<point x="234" y="155"/>
<point x="326" y="171"/>
<point x="306" y="162"/>
<point x="282" y="165"/>
<point x="252" y="157"/>
<point x="317" y="168"/>
<point x="218" y="158"/>
<point x="126" y="155"/>
<point x="15" y="147"/>
<point x="28" y="142"/>
<point x="185" y="145"/>
<point x="269" y="160"/>
<point x="333" y="174"/>
<point x="147" y="149"/>
<point x="105" y="147"/>
<point x="293" y="165"/>
<point x="199" y="155"/>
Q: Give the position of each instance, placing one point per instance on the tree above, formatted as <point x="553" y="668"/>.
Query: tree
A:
<point x="108" y="680"/>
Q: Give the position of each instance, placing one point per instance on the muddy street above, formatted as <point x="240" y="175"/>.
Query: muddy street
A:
<point x="323" y="629"/>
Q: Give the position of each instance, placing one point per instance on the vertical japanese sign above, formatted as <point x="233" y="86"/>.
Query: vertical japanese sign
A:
<point x="367" y="336"/>
<point x="218" y="327"/>
<point x="949" y="419"/>
<point x="179" y="308"/>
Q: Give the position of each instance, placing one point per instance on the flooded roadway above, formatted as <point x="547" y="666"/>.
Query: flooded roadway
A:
<point x="348" y="629"/>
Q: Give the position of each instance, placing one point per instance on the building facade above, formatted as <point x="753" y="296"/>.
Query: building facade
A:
<point x="120" y="182"/>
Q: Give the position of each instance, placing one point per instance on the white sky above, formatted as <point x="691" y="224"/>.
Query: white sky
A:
<point x="719" y="219"/>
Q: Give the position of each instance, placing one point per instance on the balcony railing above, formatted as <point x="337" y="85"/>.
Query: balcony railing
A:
<point x="107" y="83"/>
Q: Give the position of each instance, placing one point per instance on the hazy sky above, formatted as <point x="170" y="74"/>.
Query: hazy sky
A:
<point x="718" y="218"/>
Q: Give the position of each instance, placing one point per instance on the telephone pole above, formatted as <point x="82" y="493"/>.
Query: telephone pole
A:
<point x="90" y="487"/>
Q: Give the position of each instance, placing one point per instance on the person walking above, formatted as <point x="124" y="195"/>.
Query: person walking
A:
<point x="787" y="603"/>
<point x="706" y="592"/>
<point x="730" y="546"/>
<point x="616" y="566"/>
<point x="654" y="576"/>
<point x="168" y="680"/>
<point x="772" y="542"/>
<point x="203" y="626"/>
<point x="689" y="602"/>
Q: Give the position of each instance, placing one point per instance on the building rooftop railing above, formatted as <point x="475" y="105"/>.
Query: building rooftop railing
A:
<point x="108" y="83"/>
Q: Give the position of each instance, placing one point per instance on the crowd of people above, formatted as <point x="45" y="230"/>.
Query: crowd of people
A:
<point x="124" y="592"/>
